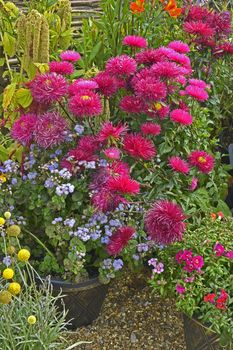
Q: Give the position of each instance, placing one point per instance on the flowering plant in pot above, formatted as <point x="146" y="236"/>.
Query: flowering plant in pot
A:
<point x="90" y="182"/>
<point x="198" y="274"/>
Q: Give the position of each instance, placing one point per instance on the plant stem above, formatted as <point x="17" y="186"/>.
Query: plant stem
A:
<point x="40" y="242"/>
<point x="66" y="113"/>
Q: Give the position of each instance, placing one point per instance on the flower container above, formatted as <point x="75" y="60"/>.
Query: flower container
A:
<point x="83" y="301"/>
<point x="198" y="337"/>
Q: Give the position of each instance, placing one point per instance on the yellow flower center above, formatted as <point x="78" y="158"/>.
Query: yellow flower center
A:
<point x="202" y="160"/>
<point x="2" y="178"/>
<point x="86" y="97"/>
<point x="157" y="106"/>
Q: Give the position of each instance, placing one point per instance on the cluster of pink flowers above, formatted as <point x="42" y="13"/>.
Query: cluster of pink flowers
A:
<point x="220" y="251"/>
<point x="209" y="29"/>
<point x="191" y="263"/>
<point x="219" y="301"/>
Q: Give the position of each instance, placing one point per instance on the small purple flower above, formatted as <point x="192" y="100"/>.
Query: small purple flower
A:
<point x="136" y="257"/>
<point x="142" y="247"/>
<point x="56" y="220"/>
<point x="32" y="175"/>
<point x="107" y="264"/>
<point x="105" y="240"/>
<point x="159" y="268"/>
<point x="14" y="181"/>
<point x="49" y="183"/>
<point x="152" y="262"/>
<point x="69" y="222"/>
<point x="117" y="264"/>
<point x="7" y="260"/>
<point x="79" y="129"/>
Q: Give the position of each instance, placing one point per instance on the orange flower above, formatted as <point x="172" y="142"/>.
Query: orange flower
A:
<point x="213" y="216"/>
<point x="171" y="8"/>
<point x="176" y="12"/>
<point x="171" y="5"/>
<point x="137" y="6"/>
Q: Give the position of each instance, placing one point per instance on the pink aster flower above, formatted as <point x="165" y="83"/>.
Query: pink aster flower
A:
<point x="63" y="68"/>
<point x="85" y="150"/>
<point x="179" y="165"/>
<point x="150" y="128"/>
<point x="121" y="65"/>
<point x="202" y="160"/>
<point x="106" y="201"/>
<point x="69" y="55"/>
<point x="50" y="130"/>
<point x="198" y="262"/>
<point x="112" y="153"/>
<point x="219" y="249"/>
<point x="179" y="46"/>
<point x="48" y="88"/>
<point x="166" y="70"/>
<point x="123" y="185"/>
<point x="23" y="129"/>
<point x="229" y="254"/>
<point x="139" y="147"/>
<point x="193" y="184"/>
<point x="132" y="104"/>
<point x="149" y="57"/>
<point x="111" y="133"/>
<point x="120" y="239"/>
<point x="108" y="85"/>
<point x="180" y="289"/>
<point x="164" y="222"/>
<point x="198" y="28"/>
<point x="181" y="116"/>
<point x="225" y="48"/>
<point x="150" y="89"/>
<point x="86" y="104"/>
<point x="81" y="84"/>
<point x="199" y="83"/>
<point x="196" y="92"/>
<point x="135" y="41"/>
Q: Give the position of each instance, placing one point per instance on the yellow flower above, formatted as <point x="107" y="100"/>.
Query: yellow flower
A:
<point x="7" y="214"/>
<point x="10" y="250"/>
<point x="31" y="319"/>
<point x="24" y="255"/>
<point x="5" y="297"/>
<point x="13" y="230"/>
<point x="2" y="178"/>
<point x="8" y="274"/>
<point x="14" y="288"/>
<point x="2" y="221"/>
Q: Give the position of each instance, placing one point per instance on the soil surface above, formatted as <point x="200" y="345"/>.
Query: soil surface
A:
<point x="133" y="318"/>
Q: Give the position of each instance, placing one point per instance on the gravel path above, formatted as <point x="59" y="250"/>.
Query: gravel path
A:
<point x="133" y="318"/>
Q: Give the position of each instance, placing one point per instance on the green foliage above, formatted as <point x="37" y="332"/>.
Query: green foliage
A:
<point x="214" y="276"/>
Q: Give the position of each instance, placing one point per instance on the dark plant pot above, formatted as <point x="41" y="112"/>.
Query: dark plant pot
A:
<point x="198" y="337"/>
<point x="83" y="301"/>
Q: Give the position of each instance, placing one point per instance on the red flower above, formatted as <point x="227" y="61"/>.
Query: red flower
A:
<point x="120" y="239"/>
<point x="179" y="165"/>
<point x="110" y="132"/>
<point x="108" y="84"/>
<point x="202" y="160"/>
<point x="123" y="185"/>
<point x="198" y="28"/>
<point x="164" y="222"/>
<point x="139" y="147"/>
<point x="210" y="298"/>
<point x="150" y="128"/>
<point x="181" y="116"/>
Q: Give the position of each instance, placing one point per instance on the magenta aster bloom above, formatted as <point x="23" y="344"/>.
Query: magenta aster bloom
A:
<point x="123" y="185"/>
<point x="121" y="65"/>
<point x="69" y="55"/>
<point x="199" y="83"/>
<point x="81" y="84"/>
<point x="135" y="41"/>
<point x="181" y="116"/>
<point x="50" y="130"/>
<point x="150" y="89"/>
<point x="106" y="201"/>
<point x="63" y="68"/>
<point x="166" y="70"/>
<point x="179" y="165"/>
<point x="164" y="222"/>
<point x="23" y="129"/>
<point x="112" y="153"/>
<point x="179" y="46"/>
<point x="196" y="92"/>
<point x="180" y="289"/>
<point x="202" y="160"/>
<point x="109" y="132"/>
<point x="108" y="85"/>
<point x="149" y="57"/>
<point x="132" y="104"/>
<point x="86" y="104"/>
<point x="139" y="147"/>
<point x="119" y="239"/>
<point x="48" y="88"/>
<point x="193" y="184"/>
<point x="198" y="28"/>
<point x="150" y="128"/>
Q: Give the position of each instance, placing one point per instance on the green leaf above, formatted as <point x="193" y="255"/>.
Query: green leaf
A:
<point x="95" y="51"/>
<point x="9" y="44"/>
<point x="222" y="206"/>
<point x="8" y="95"/>
<point x="3" y="153"/>
<point x="23" y="97"/>
<point x="2" y="61"/>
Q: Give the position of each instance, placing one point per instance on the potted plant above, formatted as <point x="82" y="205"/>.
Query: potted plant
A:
<point x="85" y="176"/>
<point x="197" y="273"/>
